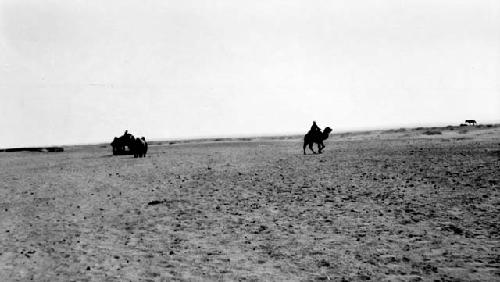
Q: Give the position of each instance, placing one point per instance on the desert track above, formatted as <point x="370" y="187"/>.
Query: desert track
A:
<point x="401" y="206"/>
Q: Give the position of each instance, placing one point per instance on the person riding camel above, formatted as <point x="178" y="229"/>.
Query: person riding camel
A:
<point x="315" y="129"/>
<point x="127" y="136"/>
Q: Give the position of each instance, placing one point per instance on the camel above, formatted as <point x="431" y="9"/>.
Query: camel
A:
<point x="140" y="147"/>
<point x="119" y="144"/>
<point x="470" y="121"/>
<point x="310" y="138"/>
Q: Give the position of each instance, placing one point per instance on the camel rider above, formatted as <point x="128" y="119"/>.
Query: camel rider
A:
<point x="315" y="129"/>
<point x="126" y="134"/>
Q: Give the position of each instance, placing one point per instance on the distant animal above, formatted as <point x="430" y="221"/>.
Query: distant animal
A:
<point x="123" y="145"/>
<point x="463" y="124"/>
<point x="140" y="147"/>
<point x="312" y="137"/>
<point x="470" y="121"/>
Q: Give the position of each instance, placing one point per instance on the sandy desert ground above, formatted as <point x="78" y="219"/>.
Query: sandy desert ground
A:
<point x="400" y="205"/>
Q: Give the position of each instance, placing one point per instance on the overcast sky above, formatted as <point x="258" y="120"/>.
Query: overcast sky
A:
<point x="84" y="71"/>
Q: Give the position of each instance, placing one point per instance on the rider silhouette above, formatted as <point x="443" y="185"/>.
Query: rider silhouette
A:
<point x="315" y="129"/>
<point x="127" y="136"/>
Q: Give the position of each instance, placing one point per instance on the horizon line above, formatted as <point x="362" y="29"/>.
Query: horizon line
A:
<point x="259" y="135"/>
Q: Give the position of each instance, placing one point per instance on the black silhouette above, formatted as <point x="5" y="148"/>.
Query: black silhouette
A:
<point x="315" y="129"/>
<point x="470" y="121"/>
<point x="140" y="147"/>
<point x="123" y="145"/>
<point x="316" y="136"/>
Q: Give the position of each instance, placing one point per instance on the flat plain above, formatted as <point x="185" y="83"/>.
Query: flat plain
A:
<point x="394" y="205"/>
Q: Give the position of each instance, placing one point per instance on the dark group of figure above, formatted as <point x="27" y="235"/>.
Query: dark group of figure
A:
<point x="127" y="144"/>
<point x="470" y="121"/>
<point x="315" y="135"/>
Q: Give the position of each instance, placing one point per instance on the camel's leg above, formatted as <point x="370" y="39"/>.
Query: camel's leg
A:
<point x="304" y="147"/>
<point x="311" y="147"/>
<point x="321" y="146"/>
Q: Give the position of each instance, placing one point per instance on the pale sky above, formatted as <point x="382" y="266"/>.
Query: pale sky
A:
<point x="84" y="71"/>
